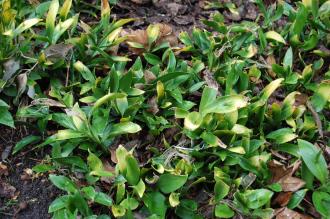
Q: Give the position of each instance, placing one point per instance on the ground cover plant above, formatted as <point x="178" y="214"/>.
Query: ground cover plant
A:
<point x="228" y="119"/>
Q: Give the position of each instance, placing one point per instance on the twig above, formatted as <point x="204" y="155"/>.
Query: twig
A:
<point x="316" y="118"/>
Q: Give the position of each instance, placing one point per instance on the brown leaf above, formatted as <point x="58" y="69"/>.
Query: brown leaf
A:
<point x="149" y="76"/>
<point x="47" y="102"/>
<point x="278" y="171"/>
<point x="21" y="82"/>
<point x="153" y="106"/>
<point x="57" y="51"/>
<point x="7" y="190"/>
<point x="210" y="81"/>
<point x="140" y="2"/>
<point x="286" y="213"/>
<point x="140" y="37"/>
<point x="109" y="168"/>
<point x="270" y="61"/>
<point x="290" y="183"/>
<point x="3" y="170"/>
<point x="166" y="34"/>
<point x="282" y="199"/>
<point x="283" y="176"/>
<point x="316" y="118"/>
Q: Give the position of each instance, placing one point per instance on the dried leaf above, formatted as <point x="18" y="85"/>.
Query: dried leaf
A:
<point x="149" y="76"/>
<point x="286" y="213"/>
<point x="270" y="61"/>
<point x="141" y="2"/>
<point x="283" y="176"/>
<point x="210" y="81"/>
<point x="7" y="190"/>
<point x="282" y="199"/>
<point x="47" y="102"/>
<point x="153" y="106"/>
<point x="3" y="170"/>
<point x="57" y="52"/>
<point x="138" y="40"/>
<point x="10" y="68"/>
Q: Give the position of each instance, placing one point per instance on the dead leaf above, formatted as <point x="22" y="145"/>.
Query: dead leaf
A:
<point x="270" y="61"/>
<point x="141" y="2"/>
<point x="109" y="168"/>
<point x="283" y="176"/>
<point x="57" y="52"/>
<point x="251" y="11"/>
<point x="174" y="8"/>
<point x="286" y="213"/>
<point x="47" y="102"/>
<point x="3" y="170"/>
<point x="316" y="118"/>
<point x="149" y="76"/>
<point x="290" y="183"/>
<point x="10" y="68"/>
<point x="153" y="106"/>
<point x="7" y="190"/>
<point x="21" y="82"/>
<point x="5" y="153"/>
<point x="139" y="38"/>
<point x="113" y="155"/>
<point x="282" y="199"/>
<point x="183" y="20"/>
<point x="210" y="81"/>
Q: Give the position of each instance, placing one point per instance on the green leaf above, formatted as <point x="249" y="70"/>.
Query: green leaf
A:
<point x="78" y="202"/>
<point x="223" y="211"/>
<point x="63" y="183"/>
<point x="96" y="166"/>
<point x="296" y="198"/>
<point x="321" y="201"/>
<point x="51" y="17"/>
<point x="106" y="98"/>
<point x="152" y="59"/>
<point x="314" y="160"/>
<point x="59" y="203"/>
<point x="209" y="95"/>
<point x="118" y="210"/>
<point x="130" y="203"/>
<point x="288" y="58"/>
<point x="103" y="199"/>
<point x="193" y="120"/>
<point x="254" y="199"/>
<point x="221" y="190"/>
<point x="84" y="71"/>
<point x="132" y="170"/>
<point x="72" y="161"/>
<point x="6" y="118"/>
<point x="153" y="33"/>
<point x="31" y="139"/>
<point x="67" y="134"/>
<point x="281" y="136"/>
<point x="22" y="27"/>
<point x="301" y="18"/>
<point x="140" y="188"/>
<point x="42" y="168"/>
<point x="65" y="9"/>
<point x="124" y="128"/>
<point x="321" y="96"/>
<point x="275" y="36"/>
<point x="174" y="199"/>
<point x="225" y="104"/>
<point x="168" y="183"/>
<point x="155" y="202"/>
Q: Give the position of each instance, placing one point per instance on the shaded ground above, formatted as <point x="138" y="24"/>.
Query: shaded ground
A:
<point x="30" y="194"/>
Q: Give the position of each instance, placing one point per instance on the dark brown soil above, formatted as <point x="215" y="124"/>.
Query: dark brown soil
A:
<point x="33" y="193"/>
